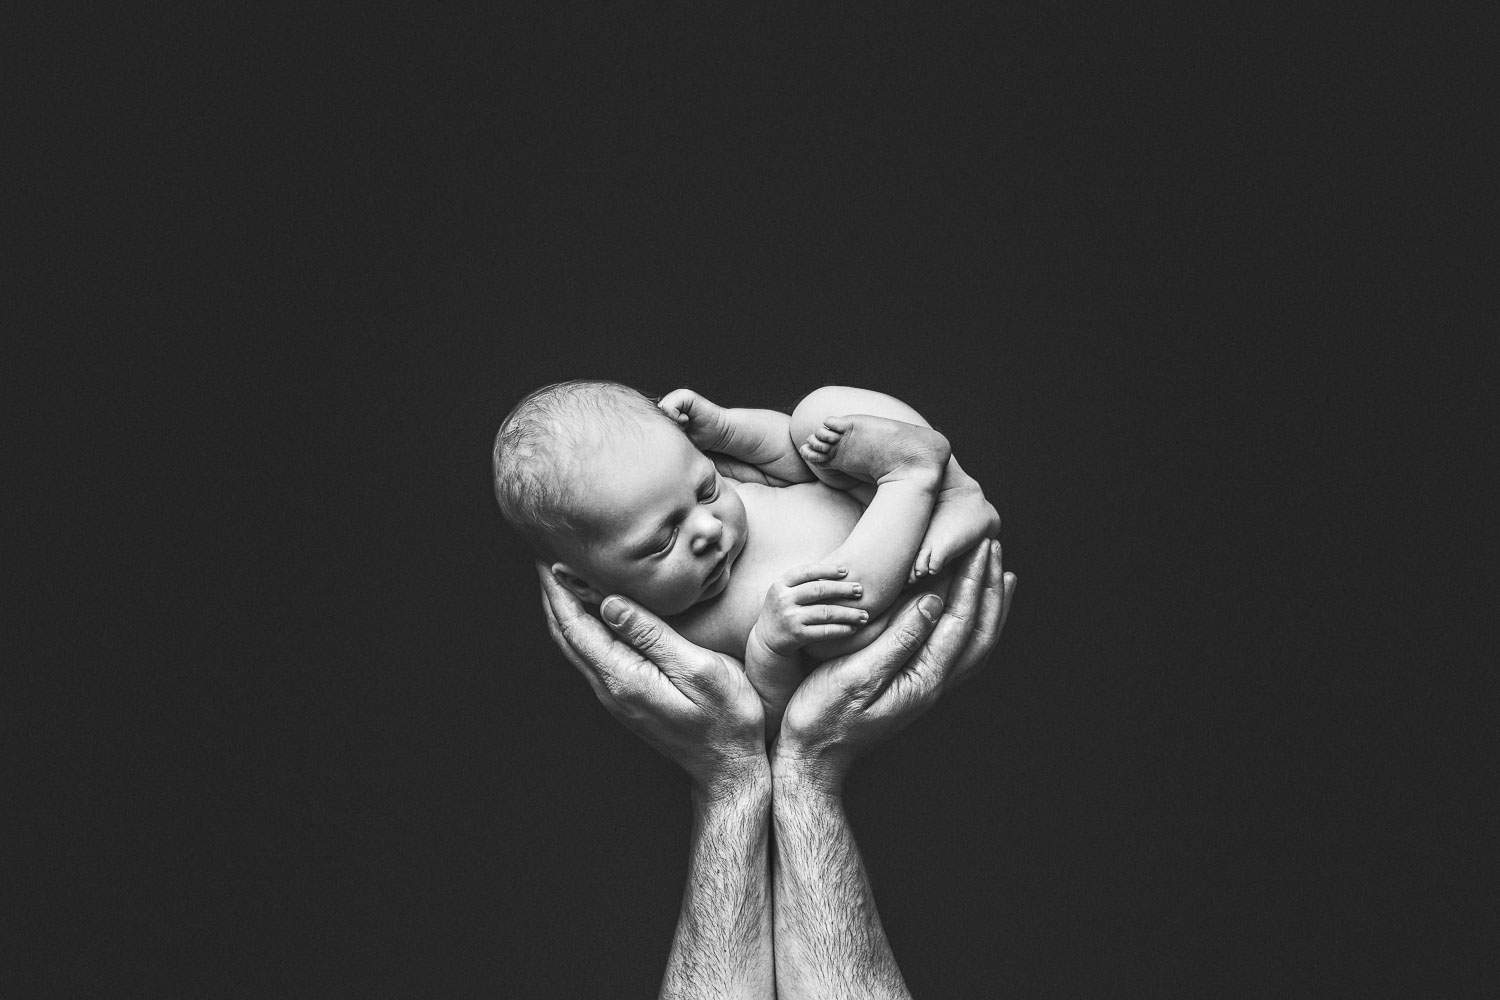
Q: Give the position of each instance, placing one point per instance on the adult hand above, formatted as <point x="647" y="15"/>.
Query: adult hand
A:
<point x="849" y="704"/>
<point x="693" y="705"/>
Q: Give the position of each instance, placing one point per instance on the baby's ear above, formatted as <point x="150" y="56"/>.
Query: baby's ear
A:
<point x="580" y="587"/>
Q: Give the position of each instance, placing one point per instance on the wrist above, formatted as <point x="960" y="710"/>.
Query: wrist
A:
<point x="745" y="784"/>
<point x="801" y="779"/>
<point x="760" y="639"/>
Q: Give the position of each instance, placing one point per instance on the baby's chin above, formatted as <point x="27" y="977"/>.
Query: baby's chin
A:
<point x="721" y="582"/>
<point x="718" y="586"/>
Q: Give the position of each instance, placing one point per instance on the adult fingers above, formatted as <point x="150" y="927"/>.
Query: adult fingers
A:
<point x="1010" y="591"/>
<point x="871" y="668"/>
<point x="687" y="666"/>
<point x="571" y="625"/>
<point x="964" y="595"/>
<point x="942" y="652"/>
<point x="999" y="589"/>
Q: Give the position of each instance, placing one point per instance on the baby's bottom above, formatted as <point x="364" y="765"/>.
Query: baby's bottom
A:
<point x="961" y="516"/>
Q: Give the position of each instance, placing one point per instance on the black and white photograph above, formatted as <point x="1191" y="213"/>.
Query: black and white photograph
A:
<point x="699" y="501"/>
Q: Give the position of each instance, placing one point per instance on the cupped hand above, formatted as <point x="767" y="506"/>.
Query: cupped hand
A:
<point x="850" y="704"/>
<point x="694" y="705"/>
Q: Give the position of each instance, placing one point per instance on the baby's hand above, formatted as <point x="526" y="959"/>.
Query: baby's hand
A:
<point x="703" y="421"/>
<point x="798" y="609"/>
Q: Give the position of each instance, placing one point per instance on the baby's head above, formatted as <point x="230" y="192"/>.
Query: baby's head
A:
<point x="617" y="500"/>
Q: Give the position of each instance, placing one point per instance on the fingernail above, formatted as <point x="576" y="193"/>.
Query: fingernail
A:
<point x="864" y="616"/>
<point x="859" y="591"/>
<point x="614" y="610"/>
<point x="843" y="571"/>
<point x="931" y="606"/>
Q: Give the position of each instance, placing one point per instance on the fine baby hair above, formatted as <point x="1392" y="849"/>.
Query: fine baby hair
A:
<point x="535" y="456"/>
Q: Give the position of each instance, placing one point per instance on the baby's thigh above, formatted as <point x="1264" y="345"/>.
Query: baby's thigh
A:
<point x="839" y="400"/>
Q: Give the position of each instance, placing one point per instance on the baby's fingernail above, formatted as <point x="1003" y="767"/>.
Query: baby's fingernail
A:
<point x="843" y="571"/>
<point x="864" y="616"/>
<point x="614" y="610"/>
<point x="931" y="606"/>
<point x="859" y="591"/>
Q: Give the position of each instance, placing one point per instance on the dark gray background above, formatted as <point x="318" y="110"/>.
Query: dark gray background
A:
<point x="1206" y="304"/>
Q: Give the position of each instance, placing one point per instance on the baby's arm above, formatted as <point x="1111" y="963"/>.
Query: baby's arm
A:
<point x="799" y="610"/>
<point x="760" y="438"/>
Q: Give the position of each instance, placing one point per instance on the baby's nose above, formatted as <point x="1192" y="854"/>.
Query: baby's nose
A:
<point x="710" y="528"/>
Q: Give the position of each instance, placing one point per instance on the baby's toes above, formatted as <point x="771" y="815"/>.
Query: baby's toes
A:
<point x="837" y="427"/>
<point x="813" y="455"/>
<point x="828" y="436"/>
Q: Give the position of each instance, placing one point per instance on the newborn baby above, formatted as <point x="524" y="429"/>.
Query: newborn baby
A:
<point x="791" y="536"/>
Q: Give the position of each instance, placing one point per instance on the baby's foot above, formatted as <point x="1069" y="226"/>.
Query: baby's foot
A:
<point x="872" y="449"/>
<point x="961" y="517"/>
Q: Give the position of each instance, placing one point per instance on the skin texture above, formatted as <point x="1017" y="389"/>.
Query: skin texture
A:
<point x="698" y="708"/>
<point x="828" y="937"/>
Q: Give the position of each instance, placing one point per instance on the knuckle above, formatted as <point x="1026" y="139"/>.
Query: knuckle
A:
<point x="909" y="635"/>
<point x="645" y="634"/>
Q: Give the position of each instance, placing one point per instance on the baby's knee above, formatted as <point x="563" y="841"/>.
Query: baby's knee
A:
<point x="840" y="400"/>
<point x="811" y="410"/>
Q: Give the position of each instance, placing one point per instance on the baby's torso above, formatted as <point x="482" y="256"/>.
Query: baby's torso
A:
<point x="786" y="526"/>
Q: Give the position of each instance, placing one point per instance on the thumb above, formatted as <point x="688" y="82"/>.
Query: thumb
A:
<point x="888" y="654"/>
<point x="648" y="634"/>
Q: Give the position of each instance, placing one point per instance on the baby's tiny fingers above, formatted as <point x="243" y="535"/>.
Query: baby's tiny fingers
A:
<point x="798" y="575"/>
<point x="678" y="404"/>
<point x="817" y="633"/>
<point x="823" y="591"/>
<point x="834" y="614"/>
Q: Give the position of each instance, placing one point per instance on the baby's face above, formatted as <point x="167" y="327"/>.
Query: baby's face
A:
<point x="666" y="528"/>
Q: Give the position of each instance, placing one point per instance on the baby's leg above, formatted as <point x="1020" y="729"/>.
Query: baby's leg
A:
<point x="904" y="463"/>
<point x="961" y="517"/>
<point x="876" y="450"/>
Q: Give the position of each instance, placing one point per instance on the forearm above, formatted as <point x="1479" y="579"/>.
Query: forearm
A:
<point x="722" y="947"/>
<point x="829" y="941"/>
<point x="762" y="438"/>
